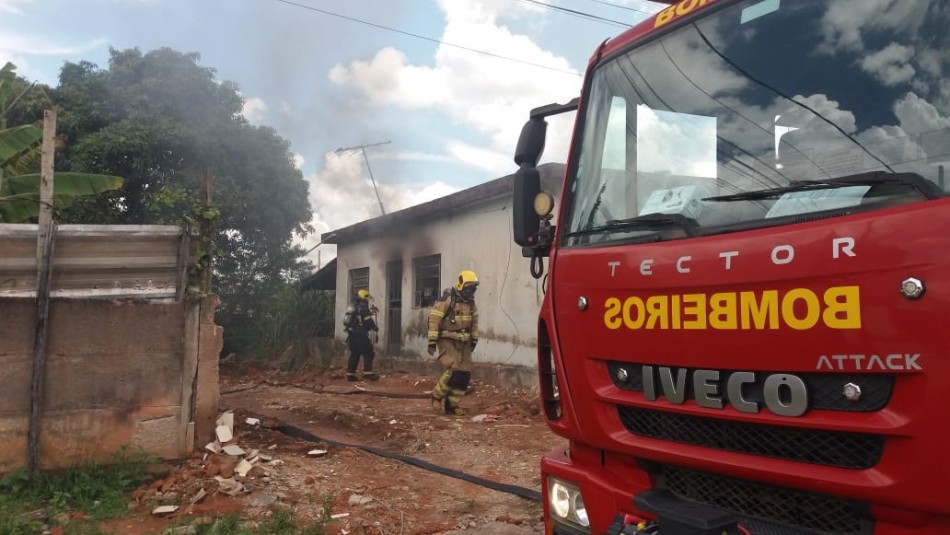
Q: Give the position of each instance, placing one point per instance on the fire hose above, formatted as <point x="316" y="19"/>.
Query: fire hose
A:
<point x="522" y="492"/>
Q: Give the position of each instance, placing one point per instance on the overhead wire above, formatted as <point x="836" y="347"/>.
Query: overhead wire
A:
<point x="430" y="39"/>
<point x="618" y="6"/>
<point x="577" y="13"/>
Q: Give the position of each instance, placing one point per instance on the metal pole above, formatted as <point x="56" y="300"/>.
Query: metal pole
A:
<point x="368" y="168"/>
<point x="373" y="180"/>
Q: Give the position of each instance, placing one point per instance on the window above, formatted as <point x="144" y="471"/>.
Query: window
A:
<point x="359" y="278"/>
<point x="426" y="271"/>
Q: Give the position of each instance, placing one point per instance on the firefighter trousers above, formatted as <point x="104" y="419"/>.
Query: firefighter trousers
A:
<point x="456" y="360"/>
<point x="360" y="346"/>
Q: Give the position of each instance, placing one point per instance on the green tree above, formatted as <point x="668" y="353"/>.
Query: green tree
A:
<point x="160" y="120"/>
<point x="20" y="151"/>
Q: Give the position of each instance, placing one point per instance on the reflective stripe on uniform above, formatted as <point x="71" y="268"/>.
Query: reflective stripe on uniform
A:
<point x="462" y="336"/>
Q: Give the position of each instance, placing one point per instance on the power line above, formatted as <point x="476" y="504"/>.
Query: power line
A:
<point x="430" y="39"/>
<point x="577" y="13"/>
<point x="618" y="6"/>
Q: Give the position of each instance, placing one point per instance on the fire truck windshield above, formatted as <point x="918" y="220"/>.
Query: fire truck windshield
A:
<point x="759" y="96"/>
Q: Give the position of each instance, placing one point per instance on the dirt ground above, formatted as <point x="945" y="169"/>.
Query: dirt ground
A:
<point x="501" y="439"/>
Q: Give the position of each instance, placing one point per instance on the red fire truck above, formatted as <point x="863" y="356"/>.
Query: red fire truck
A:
<point x="742" y="330"/>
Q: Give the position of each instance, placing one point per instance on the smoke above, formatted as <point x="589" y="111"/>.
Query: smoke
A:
<point x="342" y="194"/>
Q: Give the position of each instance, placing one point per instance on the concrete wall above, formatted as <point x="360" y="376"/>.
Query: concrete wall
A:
<point x="478" y="238"/>
<point x="117" y="372"/>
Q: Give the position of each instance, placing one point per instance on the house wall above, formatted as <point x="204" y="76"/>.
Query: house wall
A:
<point x="478" y="238"/>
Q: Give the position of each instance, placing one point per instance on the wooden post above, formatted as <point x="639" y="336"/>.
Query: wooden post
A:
<point x="39" y="348"/>
<point x="44" y="255"/>
<point x="46" y="184"/>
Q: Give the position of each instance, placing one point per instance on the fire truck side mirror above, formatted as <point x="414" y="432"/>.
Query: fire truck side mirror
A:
<point x="531" y="142"/>
<point x="527" y="181"/>
<point x="527" y="185"/>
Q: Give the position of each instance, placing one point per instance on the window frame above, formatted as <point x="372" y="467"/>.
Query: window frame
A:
<point x="423" y="281"/>
<point x="356" y="276"/>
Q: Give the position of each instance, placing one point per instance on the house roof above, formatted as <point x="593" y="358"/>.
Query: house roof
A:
<point x="552" y="175"/>
<point x="323" y="279"/>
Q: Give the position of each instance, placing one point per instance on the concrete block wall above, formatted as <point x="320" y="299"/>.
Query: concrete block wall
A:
<point x="117" y="373"/>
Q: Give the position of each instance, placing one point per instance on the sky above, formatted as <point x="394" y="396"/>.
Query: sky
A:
<point x="439" y="88"/>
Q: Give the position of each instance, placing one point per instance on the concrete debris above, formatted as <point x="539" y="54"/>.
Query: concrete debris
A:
<point x="316" y="453"/>
<point x="164" y="509"/>
<point x="339" y="516"/>
<point x="357" y="499"/>
<point x="253" y="421"/>
<point x="213" y="447"/>
<point x="224" y="433"/>
<point x="182" y="530"/>
<point x="234" y="450"/>
<point x="229" y="486"/>
<point x="225" y="427"/>
<point x="198" y="497"/>
<point x="243" y="468"/>
<point x="226" y="418"/>
<point x="485" y="418"/>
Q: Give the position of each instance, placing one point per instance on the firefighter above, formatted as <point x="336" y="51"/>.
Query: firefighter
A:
<point x="358" y="321"/>
<point x="453" y="335"/>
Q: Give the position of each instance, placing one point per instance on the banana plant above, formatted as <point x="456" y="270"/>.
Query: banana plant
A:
<point x="20" y="148"/>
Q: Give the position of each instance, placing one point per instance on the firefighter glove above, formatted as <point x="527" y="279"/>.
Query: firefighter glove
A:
<point x="431" y="348"/>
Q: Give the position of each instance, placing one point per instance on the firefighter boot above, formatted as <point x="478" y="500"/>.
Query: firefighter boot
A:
<point x="351" y="377"/>
<point x="453" y="410"/>
<point x="436" y="404"/>
<point x="370" y="376"/>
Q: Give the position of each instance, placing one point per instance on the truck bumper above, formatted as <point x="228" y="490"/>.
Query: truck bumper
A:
<point x="610" y="485"/>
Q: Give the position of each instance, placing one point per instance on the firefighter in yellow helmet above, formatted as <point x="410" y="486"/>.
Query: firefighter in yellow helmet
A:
<point x="452" y="335"/>
<point x="358" y="321"/>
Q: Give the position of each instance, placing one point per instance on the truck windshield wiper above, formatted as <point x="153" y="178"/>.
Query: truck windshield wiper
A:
<point x="913" y="180"/>
<point x="646" y="220"/>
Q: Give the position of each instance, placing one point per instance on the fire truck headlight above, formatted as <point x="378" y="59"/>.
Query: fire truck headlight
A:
<point x="580" y="511"/>
<point x="560" y="500"/>
<point x="566" y="503"/>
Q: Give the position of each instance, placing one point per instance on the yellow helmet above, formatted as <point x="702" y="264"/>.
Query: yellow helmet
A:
<point x="466" y="277"/>
<point x="364" y="294"/>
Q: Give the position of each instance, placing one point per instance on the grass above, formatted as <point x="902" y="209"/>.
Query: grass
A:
<point x="281" y="522"/>
<point x="99" y="490"/>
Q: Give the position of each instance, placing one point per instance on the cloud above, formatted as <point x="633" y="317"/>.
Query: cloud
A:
<point x="486" y="94"/>
<point x="11" y="6"/>
<point x="298" y="161"/>
<point x="254" y="109"/>
<point x="890" y="65"/>
<point x="488" y="159"/>
<point x="17" y="48"/>
<point x="916" y="115"/>
<point x="38" y="45"/>
<point x="847" y="21"/>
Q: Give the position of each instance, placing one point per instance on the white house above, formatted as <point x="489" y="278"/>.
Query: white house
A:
<point x="407" y="258"/>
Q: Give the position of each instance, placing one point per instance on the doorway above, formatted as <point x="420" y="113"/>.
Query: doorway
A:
<point x="394" y="307"/>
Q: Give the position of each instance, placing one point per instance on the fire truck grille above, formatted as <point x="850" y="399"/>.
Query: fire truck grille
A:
<point x="830" y="448"/>
<point x="825" y="390"/>
<point x="770" y="509"/>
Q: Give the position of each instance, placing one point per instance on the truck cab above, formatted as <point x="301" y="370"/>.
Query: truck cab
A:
<point x="742" y="328"/>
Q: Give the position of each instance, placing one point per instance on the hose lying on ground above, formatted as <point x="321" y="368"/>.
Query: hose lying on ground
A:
<point x="523" y="492"/>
